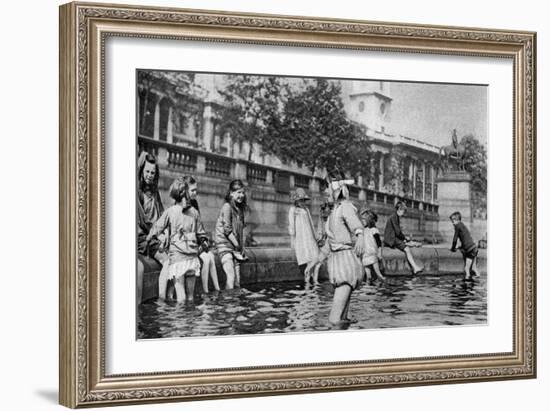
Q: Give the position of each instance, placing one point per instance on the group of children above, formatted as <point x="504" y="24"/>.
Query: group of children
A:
<point x="347" y="240"/>
<point x="176" y="236"/>
<point x="350" y="243"/>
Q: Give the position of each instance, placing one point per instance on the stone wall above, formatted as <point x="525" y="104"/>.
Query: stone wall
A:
<point x="268" y="265"/>
<point x="269" y="189"/>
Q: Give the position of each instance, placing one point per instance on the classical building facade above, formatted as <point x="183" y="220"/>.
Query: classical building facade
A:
<point x="178" y="121"/>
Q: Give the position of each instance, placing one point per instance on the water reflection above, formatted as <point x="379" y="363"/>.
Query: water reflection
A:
<point x="293" y="307"/>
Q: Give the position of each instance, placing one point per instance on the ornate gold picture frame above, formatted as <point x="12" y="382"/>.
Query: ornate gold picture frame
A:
<point x="85" y="28"/>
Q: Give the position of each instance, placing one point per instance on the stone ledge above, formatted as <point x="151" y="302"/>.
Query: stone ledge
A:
<point x="267" y="265"/>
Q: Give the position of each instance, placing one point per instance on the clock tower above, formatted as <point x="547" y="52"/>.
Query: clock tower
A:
<point x="368" y="103"/>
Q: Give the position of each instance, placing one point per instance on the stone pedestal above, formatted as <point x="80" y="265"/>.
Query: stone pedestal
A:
<point x="453" y="194"/>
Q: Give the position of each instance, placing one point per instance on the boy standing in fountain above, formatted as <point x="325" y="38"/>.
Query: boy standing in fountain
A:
<point x="394" y="237"/>
<point x="467" y="246"/>
<point x="345" y="238"/>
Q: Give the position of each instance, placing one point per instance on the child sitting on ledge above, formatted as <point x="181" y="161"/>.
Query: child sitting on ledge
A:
<point x="394" y="237"/>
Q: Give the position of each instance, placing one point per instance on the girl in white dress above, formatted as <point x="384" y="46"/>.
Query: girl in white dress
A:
<point x="372" y="255"/>
<point x="302" y="235"/>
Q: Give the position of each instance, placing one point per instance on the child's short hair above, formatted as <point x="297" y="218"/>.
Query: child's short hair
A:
<point x="456" y="216"/>
<point x="178" y="189"/>
<point x="190" y="180"/>
<point x="400" y="205"/>
<point x="369" y="215"/>
<point x="363" y="212"/>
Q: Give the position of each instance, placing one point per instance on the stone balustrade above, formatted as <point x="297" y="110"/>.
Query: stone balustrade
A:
<point x="201" y="163"/>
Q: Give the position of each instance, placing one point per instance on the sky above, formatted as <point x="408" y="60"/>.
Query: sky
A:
<point x="425" y="111"/>
<point x="429" y="112"/>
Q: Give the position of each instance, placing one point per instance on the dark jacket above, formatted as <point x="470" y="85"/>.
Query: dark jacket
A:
<point x="393" y="234"/>
<point x="149" y="210"/>
<point x="463" y="234"/>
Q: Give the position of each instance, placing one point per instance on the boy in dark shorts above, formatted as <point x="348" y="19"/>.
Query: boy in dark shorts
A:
<point x="394" y="237"/>
<point x="467" y="246"/>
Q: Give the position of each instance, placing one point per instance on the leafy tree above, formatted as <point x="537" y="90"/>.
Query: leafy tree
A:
<point x="252" y="103"/>
<point x="476" y="164"/>
<point x="314" y="130"/>
<point x="302" y="121"/>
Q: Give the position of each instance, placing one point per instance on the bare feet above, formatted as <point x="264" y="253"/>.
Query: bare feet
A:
<point x="339" y="325"/>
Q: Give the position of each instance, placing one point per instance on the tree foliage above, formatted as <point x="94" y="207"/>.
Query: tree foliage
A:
<point x="316" y="132"/>
<point x="476" y="164"/>
<point x="253" y="104"/>
<point x="301" y="121"/>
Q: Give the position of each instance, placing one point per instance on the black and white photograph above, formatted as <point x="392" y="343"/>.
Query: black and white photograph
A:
<point x="273" y="204"/>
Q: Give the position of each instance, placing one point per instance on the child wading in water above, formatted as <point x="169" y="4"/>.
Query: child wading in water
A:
<point x="373" y="245"/>
<point x="185" y="233"/>
<point x="229" y="233"/>
<point x="467" y="246"/>
<point x="394" y="237"/>
<point x="345" y="238"/>
<point x="208" y="269"/>
<point x="302" y="235"/>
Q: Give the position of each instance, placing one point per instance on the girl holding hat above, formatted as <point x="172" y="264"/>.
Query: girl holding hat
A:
<point x="345" y="238"/>
<point x="302" y="235"/>
<point x="229" y="233"/>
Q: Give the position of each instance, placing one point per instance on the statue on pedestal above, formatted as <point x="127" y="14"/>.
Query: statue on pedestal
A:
<point x="451" y="157"/>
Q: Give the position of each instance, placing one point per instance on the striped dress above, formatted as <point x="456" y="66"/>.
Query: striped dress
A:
<point x="344" y="267"/>
<point x="185" y="230"/>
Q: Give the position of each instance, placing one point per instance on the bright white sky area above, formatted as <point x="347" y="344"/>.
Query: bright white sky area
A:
<point x="424" y="111"/>
<point x="429" y="112"/>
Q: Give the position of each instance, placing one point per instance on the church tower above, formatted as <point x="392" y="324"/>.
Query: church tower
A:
<point x="368" y="103"/>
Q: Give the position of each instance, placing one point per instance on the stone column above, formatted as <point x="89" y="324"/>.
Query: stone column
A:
<point x="423" y="181"/>
<point x="432" y="172"/>
<point x="246" y="150"/>
<point x="240" y="171"/>
<point x="217" y="142"/>
<point x="255" y="153"/>
<point x="381" y="175"/>
<point x="207" y="126"/>
<point x="201" y="165"/>
<point x="362" y="191"/>
<point x="229" y="144"/>
<point x="170" y="126"/>
<point x="414" y="179"/>
<point x="410" y="171"/>
<point x="313" y="186"/>
<point x="156" y="129"/>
